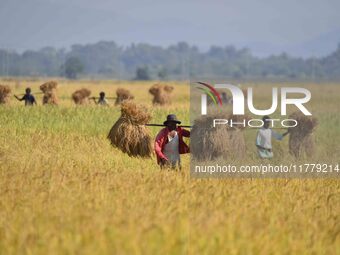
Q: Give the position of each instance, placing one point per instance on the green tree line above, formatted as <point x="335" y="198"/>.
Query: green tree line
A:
<point x="179" y="61"/>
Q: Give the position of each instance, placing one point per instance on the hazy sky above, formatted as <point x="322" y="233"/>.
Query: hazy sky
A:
<point x="300" y="27"/>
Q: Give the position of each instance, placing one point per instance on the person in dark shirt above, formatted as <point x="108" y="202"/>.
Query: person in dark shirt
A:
<point x="226" y="99"/>
<point x="28" y="97"/>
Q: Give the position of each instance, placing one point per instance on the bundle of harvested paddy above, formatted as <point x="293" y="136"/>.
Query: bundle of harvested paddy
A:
<point x="48" y="86"/>
<point x="301" y="138"/>
<point x="129" y="133"/>
<point x="208" y="142"/>
<point x="50" y="92"/>
<point x="161" y="94"/>
<point x="222" y="141"/>
<point x="168" y="88"/>
<point x="154" y="89"/>
<point x="81" y="96"/>
<point x="4" y="94"/>
<point x="122" y="95"/>
<point x="50" y="97"/>
<point x="236" y="135"/>
<point x="239" y="121"/>
<point x="237" y="143"/>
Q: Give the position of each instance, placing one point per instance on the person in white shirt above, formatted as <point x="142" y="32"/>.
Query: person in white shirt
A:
<point x="169" y="143"/>
<point x="102" y="100"/>
<point x="264" y="139"/>
<point x="171" y="149"/>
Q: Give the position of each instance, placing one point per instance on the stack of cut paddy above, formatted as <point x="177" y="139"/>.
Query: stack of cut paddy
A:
<point x="236" y="136"/>
<point x="81" y="96"/>
<point x="129" y="133"/>
<point x="161" y="94"/>
<point x="4" y="94"/>
<point x="301" y="139"/>
<point x="211" y="143"/>
<point x="122" y="95"/>
<point x="50" y="92"/>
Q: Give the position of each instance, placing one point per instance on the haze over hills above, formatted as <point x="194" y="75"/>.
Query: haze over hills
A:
<point x="319" y="46"/>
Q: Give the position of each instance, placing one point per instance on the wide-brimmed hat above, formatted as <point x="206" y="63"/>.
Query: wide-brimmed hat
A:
<point x="171" y="118"/>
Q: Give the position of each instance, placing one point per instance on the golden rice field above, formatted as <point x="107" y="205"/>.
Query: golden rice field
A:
<point x="65" y="190"/>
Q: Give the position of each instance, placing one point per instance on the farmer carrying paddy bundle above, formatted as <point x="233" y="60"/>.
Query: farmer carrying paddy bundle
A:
<point x="28" y="97"/>
<point x="50" y="93"/>
<point x="169" y="143"/>
<point x="264" y="139"/>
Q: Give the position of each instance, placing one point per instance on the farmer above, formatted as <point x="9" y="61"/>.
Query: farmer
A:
<point x="28" y="97"/>
<point x="264" y="139"/>
<point x="102" y="100"/>
<point x="169" y="143"/>
<point x="226" y="99"/>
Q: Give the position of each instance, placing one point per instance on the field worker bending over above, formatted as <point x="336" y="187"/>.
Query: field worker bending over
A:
<point x="28" y="97"/>
<point x="169" y="143"/>
<point x="264" y="139"/>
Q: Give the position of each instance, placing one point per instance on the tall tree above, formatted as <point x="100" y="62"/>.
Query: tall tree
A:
<point x="73" y="66"/>
<point x="142" y="73"/>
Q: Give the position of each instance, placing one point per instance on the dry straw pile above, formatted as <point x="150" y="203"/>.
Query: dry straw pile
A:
<point x="4" y="94"/>
<point x="222" y="141"/>
<point x="301" y="139"/>
<point x="122" y="95"/>
<point x="81" y="96"/>
<point x="236" y="136"/>
<point x="209" y="143"/>
<point x="50" y="92"/>
<point x="129" y="133"/>
<point x="161" y="94"/>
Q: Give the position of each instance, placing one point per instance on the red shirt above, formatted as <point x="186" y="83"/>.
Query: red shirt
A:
<point x="162" y="140"/>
